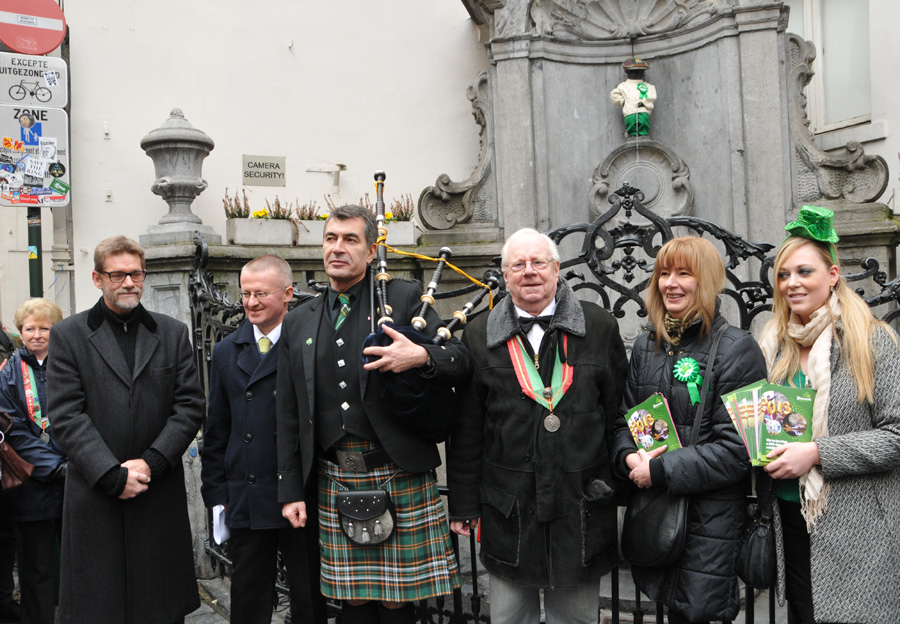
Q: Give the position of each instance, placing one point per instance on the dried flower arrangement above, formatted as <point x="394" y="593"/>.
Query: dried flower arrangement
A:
<point x="235" y="208"/>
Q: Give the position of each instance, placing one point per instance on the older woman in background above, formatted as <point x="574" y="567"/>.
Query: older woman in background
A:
<point x="682" y="304"/>
<point x="37" y="505"/>
<point x="839" y="495"/>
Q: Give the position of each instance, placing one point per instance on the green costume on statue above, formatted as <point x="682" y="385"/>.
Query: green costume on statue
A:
<point x="637" y="124"/>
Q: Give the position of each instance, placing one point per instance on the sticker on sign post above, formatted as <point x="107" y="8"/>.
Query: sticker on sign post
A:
<point x="59" y="186"/>
<point x="36" y="167"/>
<point x="48" y="148"/>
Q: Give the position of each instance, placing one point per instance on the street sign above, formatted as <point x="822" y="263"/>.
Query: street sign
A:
<point x="33" y="80"/>
<point x="31" y="26"/>
<point x="34" y="156"/>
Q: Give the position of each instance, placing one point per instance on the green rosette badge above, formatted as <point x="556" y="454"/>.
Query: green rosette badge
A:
<point x="687" y="370"/>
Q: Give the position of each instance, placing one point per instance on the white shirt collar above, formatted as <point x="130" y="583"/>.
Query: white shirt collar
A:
<point x="536" y="334"/>
<point x="273" y="335"/>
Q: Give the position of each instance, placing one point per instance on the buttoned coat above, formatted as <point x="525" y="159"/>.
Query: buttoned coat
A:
<point x="548" y="517"/>
<point x="408" y="441"/>
<point x="239" y="461"/>
<point x="128" y="561"/>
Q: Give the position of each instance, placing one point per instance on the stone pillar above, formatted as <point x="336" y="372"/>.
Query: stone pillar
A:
<point x="867" y="230"/>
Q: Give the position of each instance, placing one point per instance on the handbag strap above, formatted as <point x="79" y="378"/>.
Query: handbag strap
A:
<point x="700" y="407"/>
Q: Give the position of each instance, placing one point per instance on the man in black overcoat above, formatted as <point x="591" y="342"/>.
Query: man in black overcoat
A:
<point x="529" y="451"/>
<point x="239" y="467"/>
<point x="124" y="402"/>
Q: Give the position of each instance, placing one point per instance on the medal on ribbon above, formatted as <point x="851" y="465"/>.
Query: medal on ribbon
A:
<point x="687" y="370"/>
<point x="530" y="380"/>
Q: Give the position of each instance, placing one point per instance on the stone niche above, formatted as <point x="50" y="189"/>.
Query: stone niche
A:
<point x="729" y="140"/>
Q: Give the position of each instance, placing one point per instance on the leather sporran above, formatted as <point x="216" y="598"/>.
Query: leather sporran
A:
<point x="655" y="527"/>
<point x="14" y="471"/>
<point x="366" y="516"/>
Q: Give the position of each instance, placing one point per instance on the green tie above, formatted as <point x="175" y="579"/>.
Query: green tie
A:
<point x="344" y="298"/>
<point x="264" y="345"/>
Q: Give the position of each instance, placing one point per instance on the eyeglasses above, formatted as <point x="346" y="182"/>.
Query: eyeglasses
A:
<point x="537" y="265"/>
<point x="260" y="296"/>
<point x="117" y="277"/>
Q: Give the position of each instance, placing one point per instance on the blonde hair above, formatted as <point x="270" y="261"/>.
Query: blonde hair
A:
<point x="701" y="258"/>
<point x="856" y="320"/>
<point x="40" y="309"/>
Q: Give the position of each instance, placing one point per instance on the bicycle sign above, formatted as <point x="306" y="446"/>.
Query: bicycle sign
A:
<point x="33" y="80"/>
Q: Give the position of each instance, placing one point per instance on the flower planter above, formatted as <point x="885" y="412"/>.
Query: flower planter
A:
<point x="310" y="233"/>
<point x="402" y="233"/>
<point x="268" y="232"/>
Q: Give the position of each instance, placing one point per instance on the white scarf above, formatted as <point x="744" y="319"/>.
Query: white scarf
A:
<point x="816" y="334"/>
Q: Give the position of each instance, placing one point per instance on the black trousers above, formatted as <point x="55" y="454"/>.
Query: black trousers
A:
<point x="37" y="576"/>
<point x="7" y="552"/>
<point x="677" y="618"/>
<point x="798" y="578"/>
<point x="254" y="554"/>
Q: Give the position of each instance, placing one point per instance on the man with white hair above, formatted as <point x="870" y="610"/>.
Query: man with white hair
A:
<point x="529" y="450"/>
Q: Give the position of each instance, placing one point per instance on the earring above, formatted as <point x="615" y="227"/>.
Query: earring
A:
<point x="832" y="289"/>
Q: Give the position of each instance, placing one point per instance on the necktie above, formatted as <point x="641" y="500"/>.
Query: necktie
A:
<point x="264" y="345"/>
<point x="344" y="298"/>
<point x="527" y="322"/>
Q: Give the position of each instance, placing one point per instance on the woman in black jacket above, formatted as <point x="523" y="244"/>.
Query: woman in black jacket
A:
<point x="701" y="585"/>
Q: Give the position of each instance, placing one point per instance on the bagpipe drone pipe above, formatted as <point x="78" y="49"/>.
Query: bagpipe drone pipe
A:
<point x="412" y="396"/>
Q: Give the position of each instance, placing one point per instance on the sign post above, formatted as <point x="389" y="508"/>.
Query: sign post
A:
<point x="34" y="154"/>
<point x="31" y="26"/>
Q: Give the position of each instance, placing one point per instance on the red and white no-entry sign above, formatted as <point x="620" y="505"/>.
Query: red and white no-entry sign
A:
<point x="31" y="26"/>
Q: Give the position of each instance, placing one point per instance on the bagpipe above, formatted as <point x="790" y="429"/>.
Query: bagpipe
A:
<point x="412" y="397"/>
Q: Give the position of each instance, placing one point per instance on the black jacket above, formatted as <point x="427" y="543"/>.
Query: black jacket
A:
<point x="41" y="497"/>
<point x="407" y="441"/>
<point x="702" y="583"/>
<point x="548" y="518"/>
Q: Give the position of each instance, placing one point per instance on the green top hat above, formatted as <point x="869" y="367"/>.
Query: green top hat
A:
<point x="815" y="223"/>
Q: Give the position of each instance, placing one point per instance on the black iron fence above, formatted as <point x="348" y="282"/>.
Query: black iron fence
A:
<point x="609" y="260"/>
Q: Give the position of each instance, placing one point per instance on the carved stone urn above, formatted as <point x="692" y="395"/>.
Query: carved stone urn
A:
<point x="178" y="149"/>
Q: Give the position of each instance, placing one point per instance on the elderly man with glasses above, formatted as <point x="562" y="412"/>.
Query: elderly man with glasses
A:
<point x="124" y="402"/>
<point x="529" y="450"/>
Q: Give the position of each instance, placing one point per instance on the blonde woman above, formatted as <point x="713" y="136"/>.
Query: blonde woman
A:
<point x="682" y="303"/>
<point x="37" y="504"/>
<point x="839" y="495"/>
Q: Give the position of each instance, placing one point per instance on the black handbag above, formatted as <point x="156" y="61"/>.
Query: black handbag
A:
<point x="366" y="516"/>
<point x="756" y="560"/>
<point x="655" y="525"/>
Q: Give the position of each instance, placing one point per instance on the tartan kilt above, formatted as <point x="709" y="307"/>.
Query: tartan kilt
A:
<point x="416" y="563"/>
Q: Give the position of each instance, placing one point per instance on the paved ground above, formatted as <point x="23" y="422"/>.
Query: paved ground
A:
<point x="216" y="596"/>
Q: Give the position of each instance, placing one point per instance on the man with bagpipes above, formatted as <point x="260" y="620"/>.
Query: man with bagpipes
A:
<point x="383" y="528"/>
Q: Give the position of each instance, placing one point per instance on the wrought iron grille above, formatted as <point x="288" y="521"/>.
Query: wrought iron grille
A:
<point x="613" y="264"/>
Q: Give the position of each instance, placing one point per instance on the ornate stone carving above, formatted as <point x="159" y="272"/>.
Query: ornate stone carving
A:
<point x="594" y="20"/>
<point x="448" y="203"/>
<point x="660" y="173"/>
<point x="847" y="173"/>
